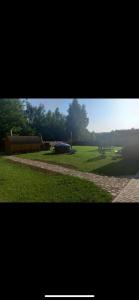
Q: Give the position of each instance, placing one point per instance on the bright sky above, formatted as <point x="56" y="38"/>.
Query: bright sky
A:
<point x="104" y="114"/>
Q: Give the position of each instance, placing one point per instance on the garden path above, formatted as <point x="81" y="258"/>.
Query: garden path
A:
<point x="114" y="185"/>
<point x="130" y="193"/>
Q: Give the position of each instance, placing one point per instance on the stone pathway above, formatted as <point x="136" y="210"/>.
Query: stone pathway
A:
<point x="114" y="185"/>
<point x="131" y="191"/>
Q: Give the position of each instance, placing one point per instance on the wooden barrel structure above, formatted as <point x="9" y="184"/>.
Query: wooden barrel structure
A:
<point x="22" y="144"/>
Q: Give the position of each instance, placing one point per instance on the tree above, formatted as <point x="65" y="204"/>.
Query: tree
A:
<point x="54" y="126"/>
<point x="26" y="119"/>
<point x="59" y="125"/>
<point x="11" y="116"/>
<point x="51" y="125"/>
<point x="35" y="117"/>
<point x="77" y="121"/>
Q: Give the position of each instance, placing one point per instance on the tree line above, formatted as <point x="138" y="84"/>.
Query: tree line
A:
<point x="23" y="118"/>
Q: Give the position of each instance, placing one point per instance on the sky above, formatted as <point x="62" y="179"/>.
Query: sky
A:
<point x="104" y="114"/>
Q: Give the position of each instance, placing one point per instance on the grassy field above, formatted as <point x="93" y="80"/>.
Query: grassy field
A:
<point x="22" y="184"/>
<point x="88" y="159"/>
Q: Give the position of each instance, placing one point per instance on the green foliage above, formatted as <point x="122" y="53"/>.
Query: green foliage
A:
<point x="35" y="117"/>
<point x="51" y="125"/>
<point x="11" y="116"/>
<point x="26" y="119"/>
<point x="77" y="121"/>
<point x="55" y="126"/>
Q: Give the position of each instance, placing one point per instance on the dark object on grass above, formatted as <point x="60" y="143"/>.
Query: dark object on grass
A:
<point x="46" y="146"/>
<point x="62" y="148"/>
<point x="131" y="152"/>
<point x="72" y="151"/>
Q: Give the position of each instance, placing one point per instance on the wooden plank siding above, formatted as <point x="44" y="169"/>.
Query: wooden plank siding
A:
<point x="22" y="145"/>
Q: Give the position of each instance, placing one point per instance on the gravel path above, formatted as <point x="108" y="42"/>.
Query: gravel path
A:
<point x="114" y="185"/>
<point x="131" y="191"/>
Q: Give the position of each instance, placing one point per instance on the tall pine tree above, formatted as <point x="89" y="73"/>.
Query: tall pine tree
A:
<point x="77" y="121"/>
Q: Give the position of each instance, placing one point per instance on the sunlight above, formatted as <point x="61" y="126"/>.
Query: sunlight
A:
<point x="127" y="112"/>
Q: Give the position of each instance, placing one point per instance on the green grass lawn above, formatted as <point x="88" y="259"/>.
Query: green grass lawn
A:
<point x="88" y="159"/>
<point x="22" y="184"/>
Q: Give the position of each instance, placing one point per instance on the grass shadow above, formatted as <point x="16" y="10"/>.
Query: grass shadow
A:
<point x="123" y="167"/>
<point x="64" y="165"/>
<point x="50" y="153"/>
<point x="93" y="159"/>
<point x="92" y="150"/>
<point x="53" y="153"/>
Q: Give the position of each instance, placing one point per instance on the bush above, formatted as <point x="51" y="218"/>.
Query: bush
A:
<point x="131" y="152"/>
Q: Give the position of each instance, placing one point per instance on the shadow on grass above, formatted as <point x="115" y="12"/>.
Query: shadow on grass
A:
<point x="2" y="180"/>
<point x="93" y="150"/>
<point x="123" y="167"/>
<point x="59" y="154"/>
<point x="96" y="158"/>
<point x="50" y="153"/>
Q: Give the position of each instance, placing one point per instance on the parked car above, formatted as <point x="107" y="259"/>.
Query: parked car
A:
<point x="62" y="148"/>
